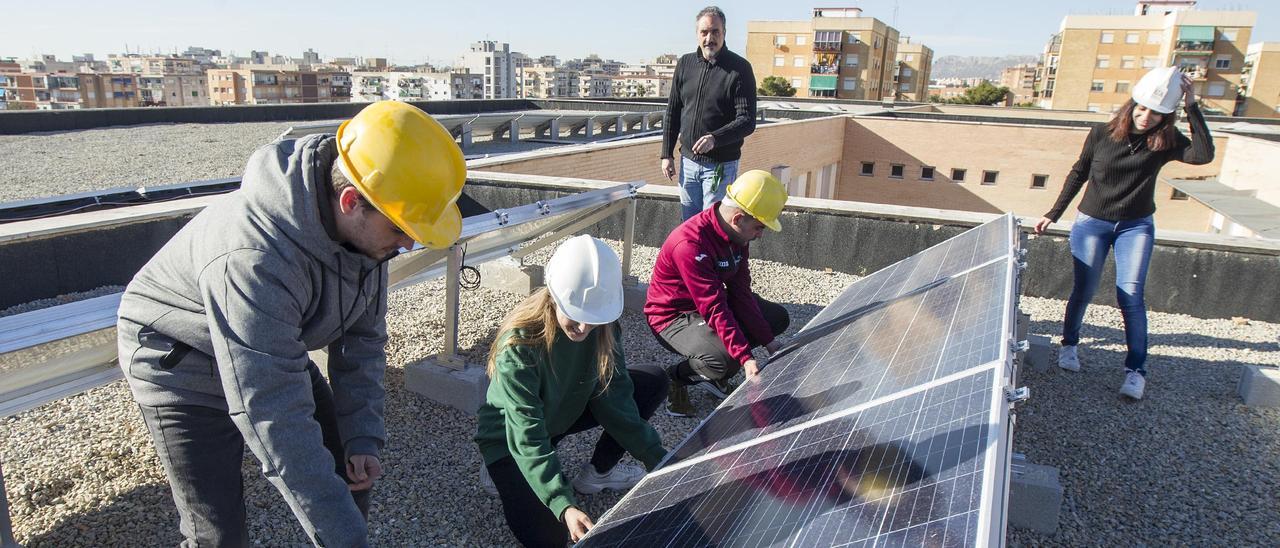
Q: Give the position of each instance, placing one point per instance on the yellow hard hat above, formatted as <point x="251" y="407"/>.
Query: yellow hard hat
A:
<point x="761" y="195"/>
<point x="407" y="165"/>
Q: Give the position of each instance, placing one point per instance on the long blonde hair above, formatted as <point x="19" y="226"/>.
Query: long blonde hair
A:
<point x="536" y="318"/>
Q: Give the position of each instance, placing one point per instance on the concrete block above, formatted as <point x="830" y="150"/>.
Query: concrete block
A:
<point x="1260" y="386"/>
<point x="508" y="274"/>
<point x="1035" y="496"/>
<point x="634" y="295"/>
<point x="463" y="389"/>
<point x="1024" y="324"/>
<point x="1038" y="356"/>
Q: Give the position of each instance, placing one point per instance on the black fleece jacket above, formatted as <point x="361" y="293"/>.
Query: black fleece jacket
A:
<point x="716" y="97"/>
<point x="1122" y="175"/>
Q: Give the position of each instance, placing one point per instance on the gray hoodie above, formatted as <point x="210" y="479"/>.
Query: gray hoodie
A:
<point x="256" y="280"/>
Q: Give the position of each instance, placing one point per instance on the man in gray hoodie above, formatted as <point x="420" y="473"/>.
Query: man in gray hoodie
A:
<point x="214" y="331"/>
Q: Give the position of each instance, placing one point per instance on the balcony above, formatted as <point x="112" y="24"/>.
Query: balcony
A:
<point x="816" y="68"/>
<point x="826" y="46"/>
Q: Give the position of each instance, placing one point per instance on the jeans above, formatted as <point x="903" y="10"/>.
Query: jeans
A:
<point x="201" y="450"/>
<point x="1091" y="239"/>
<point x="529" y="519"/>
<point x="706" y="357"/>
<point x="700" y="186"/>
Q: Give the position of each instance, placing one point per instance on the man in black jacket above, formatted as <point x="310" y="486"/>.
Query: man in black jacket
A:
<point x="712" y="108"/>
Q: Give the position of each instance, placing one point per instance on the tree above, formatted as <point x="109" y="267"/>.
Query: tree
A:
<point x="776" y="86"/>
<point x="985" y="93"/>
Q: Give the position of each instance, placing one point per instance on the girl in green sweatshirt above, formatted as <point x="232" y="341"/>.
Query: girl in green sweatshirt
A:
<point x="557" y="368"/>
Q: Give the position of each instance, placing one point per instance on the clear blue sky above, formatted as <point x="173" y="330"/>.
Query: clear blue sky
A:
<point x="411" y="31"/>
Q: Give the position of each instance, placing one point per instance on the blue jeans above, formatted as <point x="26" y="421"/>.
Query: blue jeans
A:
<point x="699" y="185"/>
<point x="1091" y="239"/>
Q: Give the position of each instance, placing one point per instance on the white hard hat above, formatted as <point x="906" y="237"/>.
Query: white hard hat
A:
<point x="584" y="277"/>
<point x="1159" y="90"/>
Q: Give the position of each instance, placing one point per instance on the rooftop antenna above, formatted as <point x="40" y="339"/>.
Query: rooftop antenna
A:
<point x="895" y="14"/>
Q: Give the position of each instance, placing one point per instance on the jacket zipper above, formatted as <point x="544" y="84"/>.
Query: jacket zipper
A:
<point x="697" y="105"/>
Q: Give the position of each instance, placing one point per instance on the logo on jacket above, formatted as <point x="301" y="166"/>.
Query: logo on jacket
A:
<point x="700" y="257"/>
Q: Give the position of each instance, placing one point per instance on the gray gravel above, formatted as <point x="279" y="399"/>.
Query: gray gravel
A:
<point x="52" y="164"/>
<point x="1188" y="465"/>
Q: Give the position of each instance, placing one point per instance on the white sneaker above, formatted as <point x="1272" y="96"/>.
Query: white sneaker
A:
<point x="1068" y="359"/>
<point x="1134" y="385"/>
<point x="486" y="482"/>
<point x="622" y="476"/>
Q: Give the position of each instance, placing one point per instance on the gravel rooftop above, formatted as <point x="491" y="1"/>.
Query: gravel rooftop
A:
<point x="1188" y="465"/>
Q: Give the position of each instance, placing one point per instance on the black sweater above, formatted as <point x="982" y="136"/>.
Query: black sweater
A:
<point x="716" y="97"/>
<point x="1122" y="175"/>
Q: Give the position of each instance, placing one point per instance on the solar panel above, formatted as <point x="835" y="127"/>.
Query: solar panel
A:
<point x="882" y="423"/>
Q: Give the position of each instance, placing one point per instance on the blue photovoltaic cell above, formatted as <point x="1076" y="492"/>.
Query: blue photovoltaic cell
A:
<point x="950" y="328"/>
<point x="906" y="471"/>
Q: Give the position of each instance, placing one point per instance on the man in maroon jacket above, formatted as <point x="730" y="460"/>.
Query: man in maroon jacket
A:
<point x="700" y="304"/>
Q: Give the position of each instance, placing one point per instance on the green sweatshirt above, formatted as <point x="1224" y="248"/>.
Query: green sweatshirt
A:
<point x="534" y="397"/>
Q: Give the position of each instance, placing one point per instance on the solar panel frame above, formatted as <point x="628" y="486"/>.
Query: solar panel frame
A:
<point x="998" y="237"/>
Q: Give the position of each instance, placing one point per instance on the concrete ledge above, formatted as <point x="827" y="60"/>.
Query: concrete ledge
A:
<point x="1035" y="496"/>
<point x="1260" y="386"/>
<point x="507" y="274"/>
<point x="460" y="389"/>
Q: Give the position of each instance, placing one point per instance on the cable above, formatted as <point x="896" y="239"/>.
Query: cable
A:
<point x="468" y="276"/>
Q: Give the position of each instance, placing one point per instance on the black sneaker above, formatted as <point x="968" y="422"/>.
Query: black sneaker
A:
<point x="678" y="404"/>
<point x="718" y="389"/>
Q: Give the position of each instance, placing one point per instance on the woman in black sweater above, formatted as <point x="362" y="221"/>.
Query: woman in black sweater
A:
<point x="1120" y="161"/>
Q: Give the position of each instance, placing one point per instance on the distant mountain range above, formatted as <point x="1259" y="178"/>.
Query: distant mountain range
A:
<point x="958" y="66"/>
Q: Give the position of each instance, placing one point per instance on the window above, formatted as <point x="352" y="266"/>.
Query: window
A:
<point x="1039" y="181"/>
<point x="1094" y="107"/>
<point x="851" y="60"/>
<point x="779" y="61"/>
<point x="896" y="170"/>
<point x="1122" y="87"/>
<point x="1217" y="89"/>
<point x="989" y="177"/>
<point x="1222" y="62"/>
<point x="1148" y="62"/>
<point x="855" y="37"/>
<point x="1108" y="37"/>
<point x="1155" y="37"/>
<point x="877" y="44"/>
<point x="957" y="175"/>
<point x="849" y="84"/>
<point x="1230" y="34"/>
<point x="1103" y="62"/>
<point x="906" y="72"/>
<point x="800" y="40"/>
<point x="1178" y="195"/>
<point x="906" y="87"/>
<point x="798" y="61"/>
<point x="1131" y="38"/>
<point x="926" y="173"/>
<point x="1097" y="85"/>
<point x="910" y="57"/>
<point x="780" y="40"/>
<point x="1128" y="61"/>
<point x="795" y="83"/>
<point x="868" y="169"/>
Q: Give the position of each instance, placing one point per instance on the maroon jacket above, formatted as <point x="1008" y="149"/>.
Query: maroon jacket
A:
<point x="700" y="270"/>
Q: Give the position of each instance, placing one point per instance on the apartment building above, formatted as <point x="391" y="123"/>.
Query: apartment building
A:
<point x="641" y="86"/>
<point x="400" y="86"/>
<point x="494" y="61"/>
<point x="37" y="90"/>
<point x="1260" y="83"/>
<point x="915" y="64"/>
<point x="541" y="82"/>
<point x="466" y="85"/>
<point x="837" y="53"/>
<point x="265" y="87"/>
<point x="1021" y="81"/>
<point x="1101" y="57"/>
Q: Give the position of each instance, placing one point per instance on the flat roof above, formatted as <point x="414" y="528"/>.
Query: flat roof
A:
<point x="1240" y="206"/>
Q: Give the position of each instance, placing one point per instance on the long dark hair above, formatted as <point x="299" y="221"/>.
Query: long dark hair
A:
<point x="1161" y="137"/>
